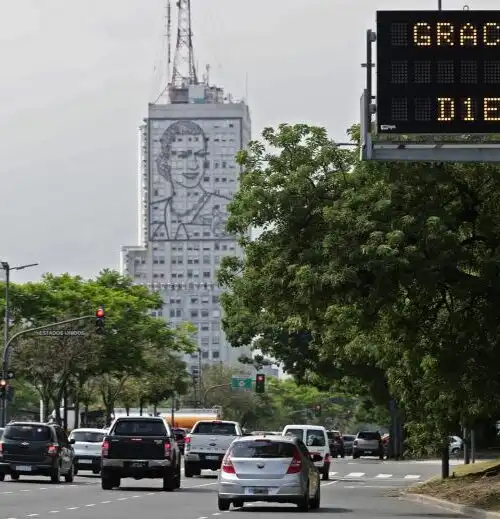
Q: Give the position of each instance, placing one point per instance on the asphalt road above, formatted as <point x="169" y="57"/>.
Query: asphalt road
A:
<point x="354" y="492"/>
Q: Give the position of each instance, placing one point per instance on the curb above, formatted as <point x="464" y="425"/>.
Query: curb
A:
<point x="475" y="513"/>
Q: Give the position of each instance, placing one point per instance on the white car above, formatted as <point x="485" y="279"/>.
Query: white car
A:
<point x="456" y="445"/>
<point x="87" y="449"/>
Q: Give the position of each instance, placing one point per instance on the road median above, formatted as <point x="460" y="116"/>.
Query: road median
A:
<point x="472" y="490"/>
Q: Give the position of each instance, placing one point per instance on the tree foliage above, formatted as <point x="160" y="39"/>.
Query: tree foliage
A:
<point x="135" y="344"/>
<point x="382" y="272"/>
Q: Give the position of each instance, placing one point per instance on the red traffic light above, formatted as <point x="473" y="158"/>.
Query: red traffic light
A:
<point x="99" y="313"/>
<point x="3" y="383"/>
<point x="260" y="378"/>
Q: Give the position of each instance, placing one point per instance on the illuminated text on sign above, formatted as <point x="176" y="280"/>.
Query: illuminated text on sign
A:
<point x="447" y="109"/>
<point x="446" y="34"/>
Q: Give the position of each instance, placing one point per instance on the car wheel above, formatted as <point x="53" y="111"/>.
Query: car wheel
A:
<point x="14" y="476"/>
<point x="189" y="471"/>
<point x="169" y="482"/>
<point x="2" y="477"/>
<point x="223" y="504"/>
<point x="70" y="476"/>
<point x="315" y="501"/>
<point x="304" y="503"/>
<point x="455" y="451"/>
<point x="55" y="476"/>
<point x="107" y="483"/>
<point x="95" y="472"/>
<point x="75" y="471"/>
<point x="178" y="477"/>
<point x="238" y="504"/>
<point x="355" y="456"/>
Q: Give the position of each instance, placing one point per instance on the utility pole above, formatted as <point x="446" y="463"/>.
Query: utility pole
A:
<point x="440" y="5"/>
<point x="7" y="268"/>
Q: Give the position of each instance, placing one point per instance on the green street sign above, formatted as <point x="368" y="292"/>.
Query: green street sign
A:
<point x="241" y="384"/>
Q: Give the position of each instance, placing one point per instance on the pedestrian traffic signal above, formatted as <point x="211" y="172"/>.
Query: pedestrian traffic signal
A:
<point x="3" y="388"/>
<point x="99" y="321"/>
<point x="260" y="383"/>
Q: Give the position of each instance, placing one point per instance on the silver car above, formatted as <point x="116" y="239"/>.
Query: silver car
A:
<point x="87" y="448"/>
<point x="277" y="469"/>
<point x="368" y="442"/>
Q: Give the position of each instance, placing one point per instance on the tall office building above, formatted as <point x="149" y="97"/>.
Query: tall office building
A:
<point x="187" y="176"/>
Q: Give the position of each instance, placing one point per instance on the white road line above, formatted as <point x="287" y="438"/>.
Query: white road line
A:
<point x="73" y="508"/>
<point x="383" y="476"/>
<point x="333" y="473"/>
<point x="151" y="493"/>
<point x="122" y="498"/>
<point x="355" y="475"/>
<point x="412" y="476"/>
<point x="42" y="488"/>
<point x="216" y="513"/>
<point x="198" y="486"/>
<point x="202" y="517"/>
<point x="105" y="502"/>
<point x="25" y="490"/>
<point x="32" y="515"/>
<point x="328" y="484"/>
<point x="8" y="492"/>
<point x="54" y="512"/>
<point x="135" y="497"/>
<point x="90" y="504"/>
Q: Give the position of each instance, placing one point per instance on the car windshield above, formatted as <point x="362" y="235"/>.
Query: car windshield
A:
<point x="348" y="437"/>
<point x="295" y="432"/>
<point x="140" y="428"/>
<point x="315" y="438"/>
<point x="215" y="428"/>
<point x="369" y="436"/>
<point x="263" y="449"/>
<point x="87" y="436"/>
<point x="33" y="433"/>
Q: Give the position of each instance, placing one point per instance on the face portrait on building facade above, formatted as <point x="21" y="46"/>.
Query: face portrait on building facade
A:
<point x="188" y="210"/>
<point x="183" y="154"/>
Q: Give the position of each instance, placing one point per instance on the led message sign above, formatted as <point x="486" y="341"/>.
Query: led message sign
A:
<point x="438" y="72"/>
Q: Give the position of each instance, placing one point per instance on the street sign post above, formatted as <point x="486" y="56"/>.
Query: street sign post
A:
<point x="241" y="384"/>
<point x="438" y="72"/>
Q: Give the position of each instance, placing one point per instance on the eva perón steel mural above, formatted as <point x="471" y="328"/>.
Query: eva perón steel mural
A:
<point x="193" y="177"/>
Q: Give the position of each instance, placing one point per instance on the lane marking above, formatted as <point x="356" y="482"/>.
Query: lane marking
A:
<point x="216" y="513"/>
<point x="383" y="476"/>
<point x="105" y="502"/>
<point x="89" y="505"/>
<point x="135" y="497"/>
<point x="328" y="484"/>
<point x="412" y="476"/>
<point x="355" y="475"/>
<point x="122" y="498"/>
<point x="333" y="473"/>
<point x="203" y="517"/>
<point x="198" y="486"/>
<point x="25" y="490"/>
<point x="32" y="515"/>
<point x="73" y="508"/>
<point x="54" y="512"/>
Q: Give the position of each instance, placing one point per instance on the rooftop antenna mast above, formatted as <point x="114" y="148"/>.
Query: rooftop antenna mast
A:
<point x="169" y="40"/>
<point x="184" y="70"/>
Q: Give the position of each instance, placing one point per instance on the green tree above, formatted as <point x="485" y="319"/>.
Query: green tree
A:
<point x="386" y="273"/>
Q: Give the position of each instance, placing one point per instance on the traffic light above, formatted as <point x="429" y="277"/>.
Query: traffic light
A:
<point x="260" y="383"/>
<point x="3" y="388"/>
<point x="99" y="321"/>
<point x="317" y="409"/>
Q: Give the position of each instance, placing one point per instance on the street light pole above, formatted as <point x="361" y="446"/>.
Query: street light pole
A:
<point x="7" y="268"/>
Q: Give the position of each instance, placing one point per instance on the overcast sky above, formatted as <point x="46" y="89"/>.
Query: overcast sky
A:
<point x="76" y="80"/>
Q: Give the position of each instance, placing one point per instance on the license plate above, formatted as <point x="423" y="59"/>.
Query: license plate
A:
<point x="258" y="491"/>
<point x="212" y="457"/>
<point x="85" y="461"/>
<point x="139" y="464"/>
<point x="23" y="468"/>
<point x="368" y="452"/>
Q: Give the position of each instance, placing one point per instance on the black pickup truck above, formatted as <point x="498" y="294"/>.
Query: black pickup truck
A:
<point x="140" y="447"/>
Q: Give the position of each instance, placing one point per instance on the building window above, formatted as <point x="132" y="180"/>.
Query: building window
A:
<point x="194" y="314"/>
<point x="206" y="274"/>
<point x="215" y="355"/>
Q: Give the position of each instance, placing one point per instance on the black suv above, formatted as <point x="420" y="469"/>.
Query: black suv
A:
<point x="36" y="449"/>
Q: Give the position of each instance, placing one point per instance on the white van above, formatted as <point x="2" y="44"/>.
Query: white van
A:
<point x="316" y="440"/>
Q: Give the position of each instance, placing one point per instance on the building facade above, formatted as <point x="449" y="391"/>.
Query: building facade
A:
<point x="187" y="177"/>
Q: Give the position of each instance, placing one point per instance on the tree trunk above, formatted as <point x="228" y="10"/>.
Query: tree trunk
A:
<point x="127" y="410"/>
<point x="46" y="405"/>
<point x="141" y="404"/>
<point x="76" y="406"/>
<point x="86" y="414"/>
<point x="65" y="407"/>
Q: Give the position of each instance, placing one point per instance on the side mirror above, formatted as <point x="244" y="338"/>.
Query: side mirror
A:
<point x="316" y="457"/>
<point x="72" y="441"/>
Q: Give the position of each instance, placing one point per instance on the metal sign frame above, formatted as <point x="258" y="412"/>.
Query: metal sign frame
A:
<point x="426" y="148"/>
